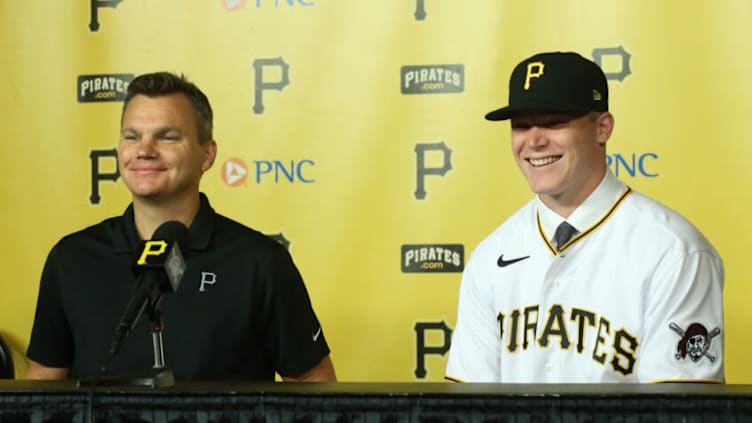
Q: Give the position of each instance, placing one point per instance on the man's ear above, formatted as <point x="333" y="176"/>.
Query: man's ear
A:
<point x="604" y="127"/>
<point x="210" y="155"/>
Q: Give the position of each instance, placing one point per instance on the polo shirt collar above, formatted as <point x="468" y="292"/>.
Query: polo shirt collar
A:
<point x="202" y="226"/>
<point x="125" y="238"/>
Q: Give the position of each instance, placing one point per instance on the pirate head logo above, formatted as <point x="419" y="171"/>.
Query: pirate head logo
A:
<point x="694" y="342"/>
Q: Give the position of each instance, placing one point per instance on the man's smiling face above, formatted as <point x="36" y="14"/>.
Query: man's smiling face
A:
<point x="562" y="155"/>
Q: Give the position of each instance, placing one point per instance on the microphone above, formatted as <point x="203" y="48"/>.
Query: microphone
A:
<point x="159" y="269"/>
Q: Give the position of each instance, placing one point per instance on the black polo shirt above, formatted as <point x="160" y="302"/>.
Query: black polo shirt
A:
<point x="241" y="311"/>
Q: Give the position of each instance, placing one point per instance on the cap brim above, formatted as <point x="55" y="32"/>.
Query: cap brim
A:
<point x="508" y="112"/>
<point x="500" y="114"/>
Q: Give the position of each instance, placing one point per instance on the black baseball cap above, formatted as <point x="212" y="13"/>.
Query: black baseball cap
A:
<point x="555" y="82"/>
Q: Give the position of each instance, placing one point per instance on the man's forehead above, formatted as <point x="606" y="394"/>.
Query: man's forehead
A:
<point x="156" y="129"/>
<point x="171" y="109"/>
<point x="542" y="115"/>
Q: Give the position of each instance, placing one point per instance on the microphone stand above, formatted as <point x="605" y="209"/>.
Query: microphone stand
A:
<point x="159" y="376"/>
<point x="162" y="375"/>
<point x="162" y="272"/>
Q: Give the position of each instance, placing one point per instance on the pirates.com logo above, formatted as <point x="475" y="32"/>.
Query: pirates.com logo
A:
<point x="425" y="258"/>
<point x="432" y="79"/>
<point x="95" y="88"/>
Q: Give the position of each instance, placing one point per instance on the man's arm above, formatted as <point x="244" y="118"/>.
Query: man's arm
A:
<point x="686" y="303"/>
<point x="38" y="371"/>
<point x="322" y="372"/>
<point x="475" y="350"/>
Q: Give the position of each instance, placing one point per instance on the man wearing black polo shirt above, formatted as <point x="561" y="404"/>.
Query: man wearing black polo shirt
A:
<point x="241" y="311"/>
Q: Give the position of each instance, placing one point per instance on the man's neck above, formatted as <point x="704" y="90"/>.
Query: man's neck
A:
<point x="149" y="213"/>
<point x="565" y="205"/>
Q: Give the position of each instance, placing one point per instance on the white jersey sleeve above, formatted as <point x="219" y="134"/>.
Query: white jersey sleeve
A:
<point x="476" y="346"/>
<point x="683" y="319"/>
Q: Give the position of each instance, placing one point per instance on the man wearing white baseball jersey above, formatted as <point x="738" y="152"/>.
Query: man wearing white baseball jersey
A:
<point x="590" y="281"/>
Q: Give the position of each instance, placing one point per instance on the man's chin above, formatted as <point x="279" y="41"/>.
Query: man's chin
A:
<point x="146" y="194"/>
<point x="543" y="189"/>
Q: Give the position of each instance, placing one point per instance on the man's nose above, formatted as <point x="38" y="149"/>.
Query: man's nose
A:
<point x="147" y="147"/>
<point x="537" y="137"/>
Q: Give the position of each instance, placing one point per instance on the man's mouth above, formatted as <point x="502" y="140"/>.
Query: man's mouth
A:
<point x="146" y="170"/>
<point x="543" y="161"/>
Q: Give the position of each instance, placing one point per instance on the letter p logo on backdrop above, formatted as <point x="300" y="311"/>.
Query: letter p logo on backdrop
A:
<point x="259" y="66"/>
<point x="422" y="170"/>
<point x="97" y="175"/>
<point x="605" y="56"/>
<point x="94" y="11"/>
<point x="422" y="349"/>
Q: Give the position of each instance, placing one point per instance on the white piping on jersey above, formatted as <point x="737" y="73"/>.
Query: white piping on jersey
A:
<point x="584" y="233"/>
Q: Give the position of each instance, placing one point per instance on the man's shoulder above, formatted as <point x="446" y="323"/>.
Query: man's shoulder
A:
<point x="95" y="240"/>
<point x="518" y="223"/>
<point x="661" y="220"/>
<point x="652" y="211"/>
<point x="101" y="231"/>
<point x="513" y="230"/>
<point x="227" y="230"/>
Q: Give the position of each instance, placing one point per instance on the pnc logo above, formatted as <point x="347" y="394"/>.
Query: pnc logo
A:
<point x="234" y="172"/>
<point x="233" y="5"/>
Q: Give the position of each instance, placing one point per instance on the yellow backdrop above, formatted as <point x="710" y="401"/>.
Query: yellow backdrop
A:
<point x="354" y="131"/>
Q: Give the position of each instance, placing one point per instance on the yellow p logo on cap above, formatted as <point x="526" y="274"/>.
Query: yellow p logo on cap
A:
<point x="534" y="70"/>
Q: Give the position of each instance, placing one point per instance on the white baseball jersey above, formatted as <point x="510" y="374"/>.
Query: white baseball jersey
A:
<point x="636" y="296"/>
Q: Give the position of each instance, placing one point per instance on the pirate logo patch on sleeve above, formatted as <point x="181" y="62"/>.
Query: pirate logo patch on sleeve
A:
<point x="694" y="342"/>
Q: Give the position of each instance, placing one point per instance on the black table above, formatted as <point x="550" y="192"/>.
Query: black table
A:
<point x="28" y="401"/>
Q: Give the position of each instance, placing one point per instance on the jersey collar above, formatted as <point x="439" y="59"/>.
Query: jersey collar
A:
<point x="589" y="215"/>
